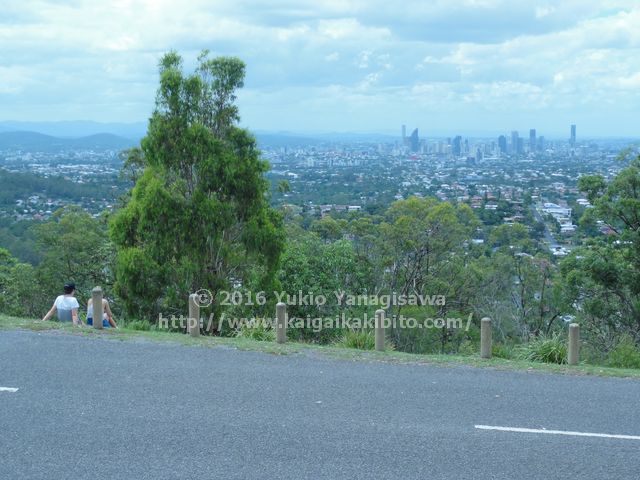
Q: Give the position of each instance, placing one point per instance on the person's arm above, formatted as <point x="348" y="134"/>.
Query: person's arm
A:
<point x="107" y="310"/>
<point x="50" y="313"/>
<point x="74" y="316"/>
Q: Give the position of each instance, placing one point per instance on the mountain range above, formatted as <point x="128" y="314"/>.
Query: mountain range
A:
<point x="33" y="141"/>
<point x="56" y="136"/>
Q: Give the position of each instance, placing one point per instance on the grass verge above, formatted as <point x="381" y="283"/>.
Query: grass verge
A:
<point x="240" y="343"/>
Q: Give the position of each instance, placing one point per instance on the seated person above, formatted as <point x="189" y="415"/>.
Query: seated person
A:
<point x="66" y="306"/>
<point x="107" y="316"/>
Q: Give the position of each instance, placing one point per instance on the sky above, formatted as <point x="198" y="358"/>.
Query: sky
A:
<point x="446" y="67"/>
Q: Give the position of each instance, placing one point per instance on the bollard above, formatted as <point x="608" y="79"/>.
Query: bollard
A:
<point x="193" y="322"/>
<point x="573" y="353"/>
<point x="380" y="330"/>
<point x="485" y="338"/>
<point x="98" y="309"/>
<point x="281" y="322"/>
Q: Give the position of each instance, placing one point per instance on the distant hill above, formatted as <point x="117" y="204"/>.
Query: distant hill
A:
<point x="53" y="136"/>
<point x="33" y="141"/>
<point x="289" y="139"/>
<point x="277" y="140"/>
<point x="77" y="129"/>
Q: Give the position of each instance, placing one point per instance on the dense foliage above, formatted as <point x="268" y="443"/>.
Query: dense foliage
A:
<point x="198" y="216"/>
<point x="16" y="186"/>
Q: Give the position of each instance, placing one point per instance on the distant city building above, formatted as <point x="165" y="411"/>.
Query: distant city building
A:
<point x="572" y="139"/>
<point x="520" y="149"/>
<point x="514" y="142"/>
<point x="502" y="144"/>
<point x="541" y="143"/>
<point x="533" y="145"/>
<point x="414" y="141"/>
<point x="457" y="146"/>
<point x="404" y="135"/>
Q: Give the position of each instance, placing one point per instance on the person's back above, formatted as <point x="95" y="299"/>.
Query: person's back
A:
<point x="65" y="306"/>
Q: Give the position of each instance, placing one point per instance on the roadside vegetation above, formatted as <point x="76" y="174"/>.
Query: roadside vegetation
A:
<point x="334" y="351"/>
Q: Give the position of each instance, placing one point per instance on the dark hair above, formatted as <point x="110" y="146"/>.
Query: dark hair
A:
<point x="69" y="287"/>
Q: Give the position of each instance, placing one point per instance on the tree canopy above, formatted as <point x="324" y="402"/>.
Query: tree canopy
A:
<point x="198" y="216"/>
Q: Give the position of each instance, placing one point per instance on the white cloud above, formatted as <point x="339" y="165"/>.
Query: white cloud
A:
<point x="372" y="58"/>
<point x="332" y="57"/>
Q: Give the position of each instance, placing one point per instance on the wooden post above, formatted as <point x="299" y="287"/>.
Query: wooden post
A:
<point x="573" y="353"/>
<point x="281" y="323"/>
<point x="485" y="338"/>
<point x="98" y="310"/>
<point x="380" y="330"/>
<point x="193" y="322"/>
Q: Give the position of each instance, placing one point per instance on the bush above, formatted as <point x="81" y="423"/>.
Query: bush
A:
<point x="256" y="331"/>
<point x="360" y="339"/>
<point x="142" y="325"/>
<point x="625" y="355"/>
<point x="547" y="349"/>
<point x="468" y="348"/>
<point x="593" y="355"/>
<point x="500" y="350"/>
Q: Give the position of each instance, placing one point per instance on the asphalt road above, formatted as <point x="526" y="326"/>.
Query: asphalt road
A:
<point x="100" y="409"/>
<point x="547" y="234"/>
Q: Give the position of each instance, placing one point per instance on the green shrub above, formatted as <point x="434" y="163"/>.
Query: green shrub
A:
<point x="256" y="331"/>
<point x="547" y="349"/>
<point x="625" y="355"/>
<point x="592" y="355"/>
<point x="500" y="350"/>
<point x="468" y="348"/>
<point x="142" y="325"/>
<point x="360" y="339"/>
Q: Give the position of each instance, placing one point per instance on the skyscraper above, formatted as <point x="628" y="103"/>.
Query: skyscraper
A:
<point x="404" y="135"/>
<point x="572" y="139"/>
<point x="532" y="140"/>
<point x="541" y="143"/>
<point x="514" y="142"/>
<point x="502" y="144"/>
<point x="457" y="146"/>
<point x="414" y="141"/>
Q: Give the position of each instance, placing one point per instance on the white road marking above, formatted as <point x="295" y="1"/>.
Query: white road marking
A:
<point x="556" y="432"/>
<point x="8" y="389"/>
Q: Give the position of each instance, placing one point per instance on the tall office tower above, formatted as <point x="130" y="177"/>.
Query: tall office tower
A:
<point x="572" y="140"/>
<point x="533" y="145"/>
<point x="456" y="148"/>
<point x="502" y="144"/>
<point x="404" y="134"/>
<point x="466" y="145"/>
<point x="541" y="143"/>
<point x="414" y="141"/>
<point x="520" y="149"/>
<point x="514" y="142"/>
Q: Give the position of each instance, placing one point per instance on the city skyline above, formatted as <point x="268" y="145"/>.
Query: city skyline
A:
<point x="475" y="67"/>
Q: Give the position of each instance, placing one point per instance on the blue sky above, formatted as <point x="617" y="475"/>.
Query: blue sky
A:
<point x="446" y="67"/>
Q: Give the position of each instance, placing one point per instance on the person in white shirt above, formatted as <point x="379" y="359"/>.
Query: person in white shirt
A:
<point x="66" y="306"/>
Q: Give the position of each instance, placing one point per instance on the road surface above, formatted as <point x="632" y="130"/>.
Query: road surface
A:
<point x="79" y="407"/>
